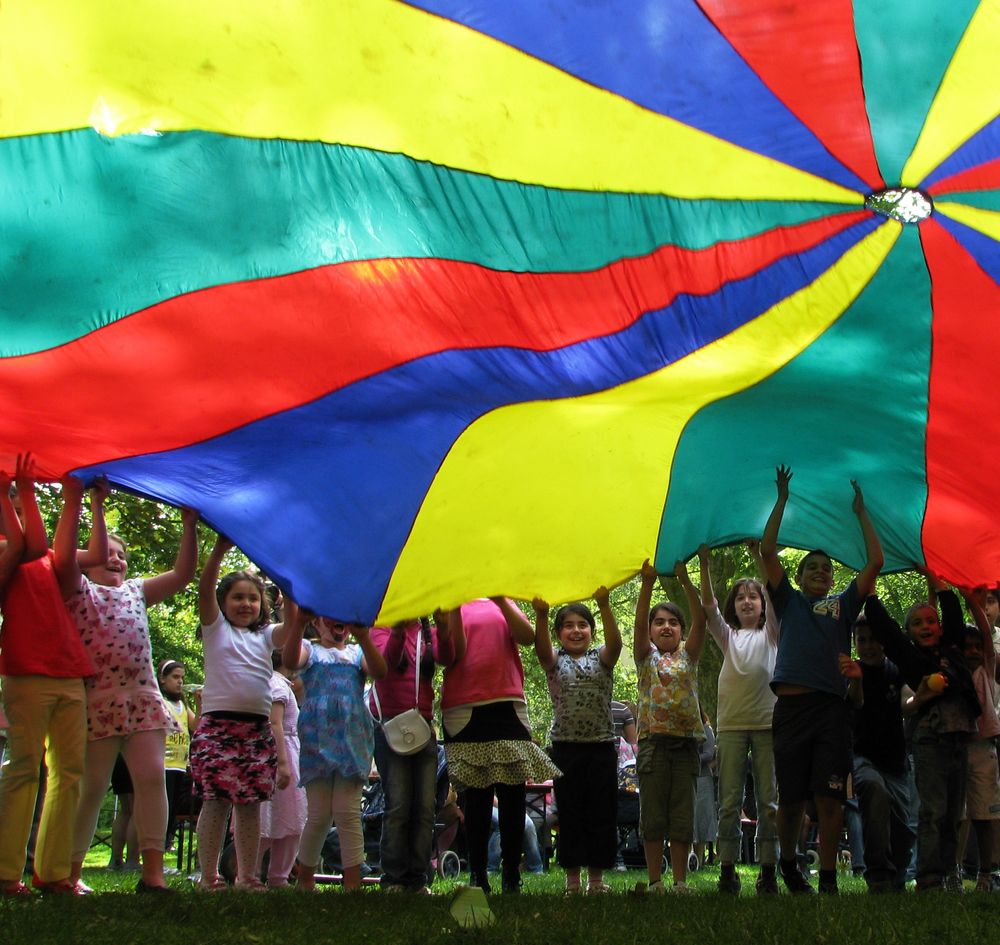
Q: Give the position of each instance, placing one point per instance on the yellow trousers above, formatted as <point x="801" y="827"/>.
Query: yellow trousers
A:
<point x="48" y="717"/>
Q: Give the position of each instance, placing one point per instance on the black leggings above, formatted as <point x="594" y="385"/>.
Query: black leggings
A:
<point x="478" y="823"/>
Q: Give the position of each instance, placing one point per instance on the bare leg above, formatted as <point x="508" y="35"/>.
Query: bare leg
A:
<point x="679" y="861"/>
<point x="831" y="826"/>
<point x="654" y="860"/>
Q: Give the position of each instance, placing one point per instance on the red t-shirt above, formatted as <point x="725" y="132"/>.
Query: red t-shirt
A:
<point x="39" y="637"/>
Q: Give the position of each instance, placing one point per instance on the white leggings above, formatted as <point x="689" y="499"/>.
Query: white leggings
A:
<point x="333" y="800"/>
<point x="143" y="753"/>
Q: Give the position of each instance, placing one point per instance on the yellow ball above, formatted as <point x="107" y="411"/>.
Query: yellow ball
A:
<point x="936" y="682"/>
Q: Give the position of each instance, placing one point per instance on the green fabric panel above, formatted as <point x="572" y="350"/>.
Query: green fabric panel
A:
<point x="983" y="199"/>
<point x="97" y="228"/>
<point x="855" y="400"/>
<point x="905" y="46"/>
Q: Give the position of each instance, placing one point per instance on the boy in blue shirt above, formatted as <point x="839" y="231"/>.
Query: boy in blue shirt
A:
<point x="812" y="723"/>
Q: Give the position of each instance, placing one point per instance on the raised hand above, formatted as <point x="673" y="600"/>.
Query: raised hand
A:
<point x="541" y="608"/>
<point x="189" y="517"/>
<point x="858" y="505"/>
<point x="24" y="472"/>
<point x="648" y="571"/>
<point x="100" y="489"/>
<point x="783" y="476"/>
<point x="602" y="596"/>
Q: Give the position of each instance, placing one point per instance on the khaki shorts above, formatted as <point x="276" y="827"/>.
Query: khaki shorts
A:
<point x="982" y="792"/>
<point x="668" y="777"/>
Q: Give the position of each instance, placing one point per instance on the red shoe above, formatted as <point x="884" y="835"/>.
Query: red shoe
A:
<point x="62" y="887"/>
<point x="14" y="890"/>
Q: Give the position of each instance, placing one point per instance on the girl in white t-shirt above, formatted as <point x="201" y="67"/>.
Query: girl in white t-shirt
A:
<point x="234" y="760"/>
<point x="747" y="633"/>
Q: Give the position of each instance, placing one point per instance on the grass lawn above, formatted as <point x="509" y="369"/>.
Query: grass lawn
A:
<point x="540" y="915"/>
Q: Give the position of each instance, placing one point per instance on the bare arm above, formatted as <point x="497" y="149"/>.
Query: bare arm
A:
<point x="851" y="671"/>
<point x="96" y="551"/>
<point x="372" y="662"/>
<point x="67" y="536"/>
<point x="975" y="599"/>
<point x="640" y="639"/>
<point x="518" y="625"/>
<point x="208" y="606"/>
<point x="277" y="729"/>
<point x="612" y="649"/>
<point x="773" y="570"/>
<point x="36" y="541"/>
<point x="543" y="641"/>
<point x="12" y="551"/>
<point x="293" y="654"/>
<point x="456" y="628"/>
<point x="873" y="547"/>
<point x="696" y="633"/>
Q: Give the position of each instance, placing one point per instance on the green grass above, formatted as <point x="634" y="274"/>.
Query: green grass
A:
<point x="540" y="915"/>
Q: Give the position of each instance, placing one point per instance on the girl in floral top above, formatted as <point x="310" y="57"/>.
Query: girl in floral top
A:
<point x="670" y="726"/>
<point x="125" y="710"/>
<point x="580" y="677"/>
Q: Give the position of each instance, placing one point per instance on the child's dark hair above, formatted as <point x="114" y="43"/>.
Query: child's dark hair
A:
<point x="729" y="608"/>
<point x="808" y="555"/>
<point x="860" y="623"/>
<point x="233" y="577"/>
<point x="671" y="608"/>
<point x="972" y="632"/>
<point x="581" y="610"/>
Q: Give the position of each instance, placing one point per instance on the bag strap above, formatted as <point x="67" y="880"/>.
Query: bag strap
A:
<point x="416" y="679"/>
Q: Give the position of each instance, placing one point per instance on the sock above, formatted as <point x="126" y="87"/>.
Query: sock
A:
<point x="788" y="866"/>
<point x="828" y="877"/>
<point x="728" y="869"/>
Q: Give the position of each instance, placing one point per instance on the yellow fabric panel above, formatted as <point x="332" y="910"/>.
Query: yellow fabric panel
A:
<point x="550" y="498"/>
<point x="968" y="98"/>
<point x="369" y="73"/>
<point x="986" y="221"/>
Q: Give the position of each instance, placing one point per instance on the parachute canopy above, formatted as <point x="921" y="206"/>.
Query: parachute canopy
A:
<point x="423" y="301"/>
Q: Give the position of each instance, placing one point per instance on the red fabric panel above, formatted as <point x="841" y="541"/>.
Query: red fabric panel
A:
<point x="265" y="346"/>
<point x="818" y="74"/>
<point x="981" y="177"/>
<point x="963" y="484"/>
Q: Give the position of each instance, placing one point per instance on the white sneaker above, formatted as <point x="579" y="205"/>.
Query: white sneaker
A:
<point x="656" y="888"/>
<point x="682" y="889"/>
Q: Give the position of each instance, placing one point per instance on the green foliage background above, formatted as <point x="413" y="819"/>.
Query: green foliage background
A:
<point x="152" y="532"/>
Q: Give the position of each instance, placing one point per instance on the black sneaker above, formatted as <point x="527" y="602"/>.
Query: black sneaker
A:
<point x="827" y="888"/>
<point x="767" y="882"/>
<point x="795" y="882"/>
<point x="729" y="881"/>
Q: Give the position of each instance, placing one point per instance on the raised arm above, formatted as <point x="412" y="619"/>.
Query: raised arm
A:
<point x="208" y="606"/>
<point x="708" y="598"/>
<point x="873" y="547"/>
<point x="696" y="632"/>
<point x="975" y="599"/>
<point x="96" y="551"/>
<point x="543" y="639"/>
<point x="36" y="541"/>
<point x="612" y="649"/>
<point x="293" y="654"/>
<point x="67" y="537"/>
<point x="158" y="589"/>
<point x="519" y="626"/>
<point x="12" y="551"/>
<point x="372" y="662"/>
<point x="773" y="570"/>
<point x="640" y="639"/>
<point x="444" y="653"/>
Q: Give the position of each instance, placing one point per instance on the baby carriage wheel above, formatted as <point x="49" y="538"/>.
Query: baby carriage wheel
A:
<point x="449" y="865"/>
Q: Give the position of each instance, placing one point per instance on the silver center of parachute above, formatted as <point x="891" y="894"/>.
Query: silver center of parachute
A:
<point x="901" y="203"/>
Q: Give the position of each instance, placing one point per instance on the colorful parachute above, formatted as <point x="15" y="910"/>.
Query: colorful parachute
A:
<point x="421" y="301"/>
